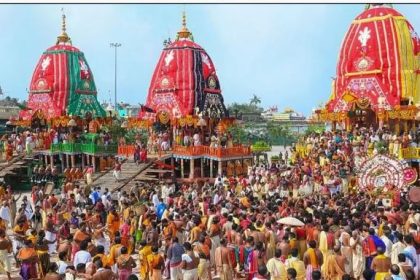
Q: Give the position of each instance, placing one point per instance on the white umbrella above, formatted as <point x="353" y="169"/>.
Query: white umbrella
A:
<point x="291" y="221"/>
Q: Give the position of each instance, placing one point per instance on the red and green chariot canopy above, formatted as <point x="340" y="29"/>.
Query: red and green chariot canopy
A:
<point x="62" y="84"/>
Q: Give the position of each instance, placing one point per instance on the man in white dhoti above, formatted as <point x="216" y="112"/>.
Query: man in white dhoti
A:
<point x="28" y="208"/>
<point x="117" y="170"/>
<point x="358" y="259"/>
<point x="51" y="235"/>
<point x="5" y="214"/>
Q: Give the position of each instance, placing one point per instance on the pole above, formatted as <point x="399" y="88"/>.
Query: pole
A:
<point x="115" y="46"/>
<point x="115" y="80"/>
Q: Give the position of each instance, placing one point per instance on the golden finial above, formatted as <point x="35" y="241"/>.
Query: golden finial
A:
<point x="63" y="37"/>
<point x="184" y="32"/>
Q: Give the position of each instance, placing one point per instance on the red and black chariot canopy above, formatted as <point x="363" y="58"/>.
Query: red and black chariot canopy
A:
<point x="184" y="81"/>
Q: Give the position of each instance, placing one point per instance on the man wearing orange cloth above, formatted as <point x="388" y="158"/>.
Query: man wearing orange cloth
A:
<point x="125" y="264"/>
<point x="156" y="263"/>
<point x="334" y="265"/>
<point x="114" y="253"/>
<point x="79" y="236"/>
<point x="195" y="233"/>
<point x="113" y="223"/>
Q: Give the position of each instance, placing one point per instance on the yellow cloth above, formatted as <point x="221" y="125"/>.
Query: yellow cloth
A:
<point x="381" y="275"/>
<point x="113" y="223"/>
<point x="126" y="213"/>
<point x="66" y="216"/>
<point x="332" y="269"/>
<point x="323" y="245"/>
<point x="277" y="269"/>
<point x="312" y="258"/>
<point x="299" y="266"/>
<point x="32" y="238"/>
<point x="144" y="266"/>
<point x="114" y="253"/>
<point x="381" y="230"/>
<point x="203" y="269"/>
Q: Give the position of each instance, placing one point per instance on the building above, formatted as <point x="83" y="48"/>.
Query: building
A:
<point x="295" y="121"/>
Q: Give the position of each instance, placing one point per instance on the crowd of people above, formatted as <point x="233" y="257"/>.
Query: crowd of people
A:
<point x="302" y="217"/>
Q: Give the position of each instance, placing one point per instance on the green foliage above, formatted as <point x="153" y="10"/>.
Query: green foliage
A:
<point x="115" y="130"/>
<point x="238" y="133"/>
<point x="315" y="128"/>
<point x="251" y="107"/>
<point x="381" y="147"/>
<point x="280" y="134"/>
<point x="255" y="100"/>
<point x="261" y="146"/>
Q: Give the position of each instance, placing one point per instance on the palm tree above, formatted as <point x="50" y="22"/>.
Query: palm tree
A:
<point x="255" y="100"/>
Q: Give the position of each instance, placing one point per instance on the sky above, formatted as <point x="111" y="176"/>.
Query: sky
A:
<point x="285" y="54"/>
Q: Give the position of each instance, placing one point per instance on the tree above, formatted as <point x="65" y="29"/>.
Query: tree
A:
<point x="244" y="108"/>
<point x="238" y="133"/>
<point x="279" y="134"/>
<point x="315" y="128"/>
<point x="255" y="100"/>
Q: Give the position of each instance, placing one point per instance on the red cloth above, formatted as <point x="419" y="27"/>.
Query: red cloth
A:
<point x="371" y="47"/>
<point x="300" y="234"/>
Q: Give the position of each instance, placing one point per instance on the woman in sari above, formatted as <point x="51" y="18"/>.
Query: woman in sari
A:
<point x="28" y="259"/>
<point x="125" y="234"/>
<point x="125" y="264"/>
